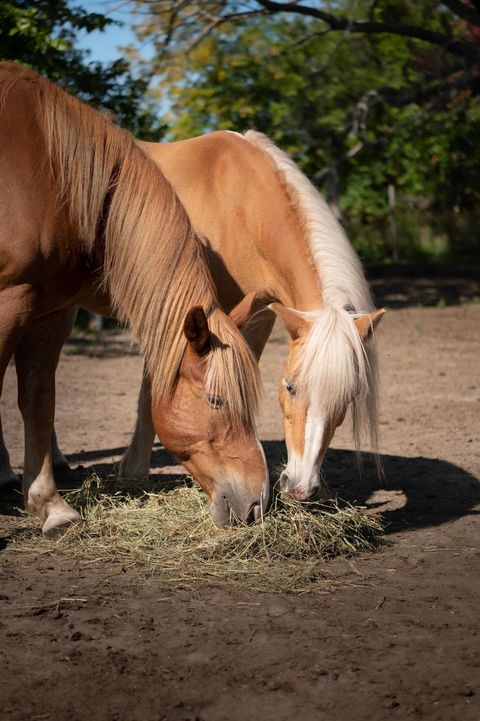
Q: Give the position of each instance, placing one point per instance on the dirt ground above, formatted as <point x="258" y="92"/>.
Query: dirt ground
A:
<point x="396" y="633"/>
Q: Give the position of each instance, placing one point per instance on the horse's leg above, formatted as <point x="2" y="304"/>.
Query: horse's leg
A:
<point x="62" y="472"/>
<point x="135" y="462"/>
<point x="7" y="474"/>
<point x="36" y="358"/>
<point x="61" y="467"/>
<point x="15" y="309"/>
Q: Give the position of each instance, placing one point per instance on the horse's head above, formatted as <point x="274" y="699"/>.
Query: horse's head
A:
<point x="209" y="425"/>
<point x="329" y="367"/>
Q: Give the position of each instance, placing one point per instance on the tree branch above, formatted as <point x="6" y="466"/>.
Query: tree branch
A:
<point x="216" y="22"/>
<point x="450" y="44"/>
<point x="433" y="97"/>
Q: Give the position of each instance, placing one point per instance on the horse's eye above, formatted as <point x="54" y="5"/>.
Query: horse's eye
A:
<point x="291" y="390"/>
<point x="215" y="402"/>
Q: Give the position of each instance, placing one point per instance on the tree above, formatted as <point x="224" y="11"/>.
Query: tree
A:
<point x="367" y="96"/>
<point x="42" y="34"/>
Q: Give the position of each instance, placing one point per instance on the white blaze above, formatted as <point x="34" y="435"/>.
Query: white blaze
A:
<point x="302" y="471"/>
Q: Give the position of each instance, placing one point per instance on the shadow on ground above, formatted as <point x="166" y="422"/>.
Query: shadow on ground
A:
<point x="430" y="491"/>
<point x="105" y="344"/>
<point x="436" y="284"/>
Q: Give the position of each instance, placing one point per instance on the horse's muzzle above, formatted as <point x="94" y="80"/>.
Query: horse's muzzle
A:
<point x="300" y="490"/>
<point x="235" y="503"/>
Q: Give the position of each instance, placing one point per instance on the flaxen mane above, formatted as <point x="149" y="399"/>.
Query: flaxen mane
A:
<point x="334" y="365"/>
<point x="125" y="211"/>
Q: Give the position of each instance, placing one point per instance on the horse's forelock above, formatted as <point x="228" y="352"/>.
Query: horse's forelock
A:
<point x="334" y="368"/>
<point x="233" y="373"/>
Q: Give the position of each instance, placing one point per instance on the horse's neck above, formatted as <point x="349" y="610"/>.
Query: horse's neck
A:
<point x="237" y="204"/>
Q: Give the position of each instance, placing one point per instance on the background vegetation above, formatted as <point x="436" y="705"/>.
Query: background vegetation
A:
<point x="377" y="100"/>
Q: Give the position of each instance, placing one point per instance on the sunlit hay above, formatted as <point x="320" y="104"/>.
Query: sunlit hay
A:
<point x="170" y="533"/>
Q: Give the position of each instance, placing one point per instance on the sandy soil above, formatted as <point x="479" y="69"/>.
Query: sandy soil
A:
<point x="397" y="634"/>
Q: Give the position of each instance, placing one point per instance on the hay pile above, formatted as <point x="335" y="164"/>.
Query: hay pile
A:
<point x="170" y="533"/>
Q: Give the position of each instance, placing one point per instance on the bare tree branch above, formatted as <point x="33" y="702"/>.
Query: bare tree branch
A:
<point x="216" y="22"/>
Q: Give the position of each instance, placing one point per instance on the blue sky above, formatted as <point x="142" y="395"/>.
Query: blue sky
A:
<point x="104" y="46"/>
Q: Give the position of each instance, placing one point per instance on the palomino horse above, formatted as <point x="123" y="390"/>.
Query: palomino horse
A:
<point x="87" y="219"/>
<point x="265" y="226"/>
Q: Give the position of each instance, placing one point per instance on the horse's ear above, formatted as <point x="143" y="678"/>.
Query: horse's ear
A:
<point x="196" y="330"/>
<point x="293" y="321"/>
<point x="252" y="304"/>
<point x="367" y="323"/>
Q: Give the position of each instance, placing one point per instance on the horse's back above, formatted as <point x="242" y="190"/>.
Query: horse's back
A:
<point x="238" y="205"/>
<point x="219" y="165"/>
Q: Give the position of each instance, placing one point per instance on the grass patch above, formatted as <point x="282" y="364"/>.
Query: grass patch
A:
<point x="170" y="534"/>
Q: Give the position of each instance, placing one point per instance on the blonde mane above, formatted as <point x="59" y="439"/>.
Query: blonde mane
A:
<point x="334" y="366"/>
<point x="127" y="218"/>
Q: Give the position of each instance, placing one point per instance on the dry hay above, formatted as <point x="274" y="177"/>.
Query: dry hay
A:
<point x="170" y="534"/>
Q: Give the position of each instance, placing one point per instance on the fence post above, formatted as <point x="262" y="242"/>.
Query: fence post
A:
<point x="392" y="204"/>
<point x="95" y="322"/>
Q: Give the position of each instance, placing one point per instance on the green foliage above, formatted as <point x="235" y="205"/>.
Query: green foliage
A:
<point x="381" y="108"/>
<point x="42" y="34"/>
<point x="359" y="111"/>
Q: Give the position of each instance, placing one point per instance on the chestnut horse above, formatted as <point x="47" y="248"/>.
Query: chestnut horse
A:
<point x="268" y="232"/>
<point x="87" y="219"/>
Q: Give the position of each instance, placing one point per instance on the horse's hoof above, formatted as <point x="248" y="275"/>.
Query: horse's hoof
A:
<point x="57" y="523"/>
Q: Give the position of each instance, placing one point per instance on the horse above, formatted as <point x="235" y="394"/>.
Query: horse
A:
<point x="270" y="234"/>
<point x="264" y="225"/>
<point x="87" y="219"/>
